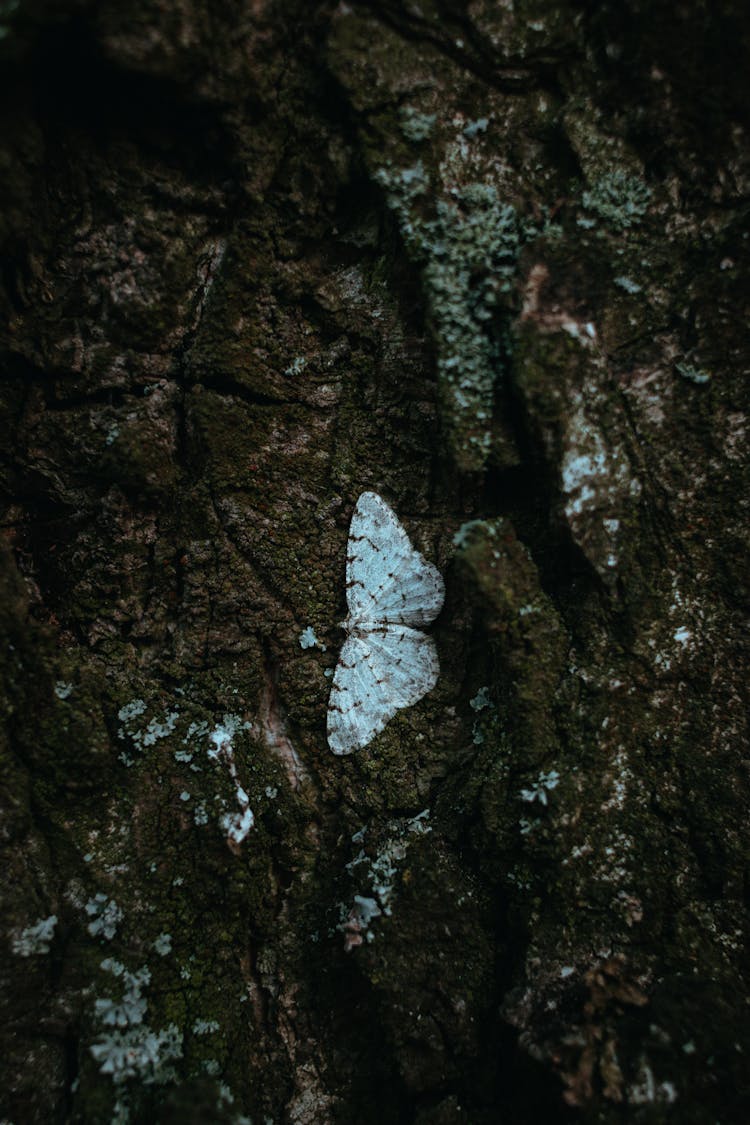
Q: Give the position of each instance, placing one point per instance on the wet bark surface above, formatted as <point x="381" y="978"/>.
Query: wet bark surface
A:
<point x="488" y="260"/>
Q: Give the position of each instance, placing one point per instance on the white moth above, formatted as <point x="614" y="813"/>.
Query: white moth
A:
<point x="386" y="663"/>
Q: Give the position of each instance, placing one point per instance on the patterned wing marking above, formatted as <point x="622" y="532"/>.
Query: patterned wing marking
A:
<point x="379" y="672"/>
<point x="388" y="580"/>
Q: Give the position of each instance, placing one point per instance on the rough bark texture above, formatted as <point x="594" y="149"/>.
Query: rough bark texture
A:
<point x="490" y="259"/>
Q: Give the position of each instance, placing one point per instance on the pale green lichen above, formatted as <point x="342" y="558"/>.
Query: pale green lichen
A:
<point x="481" y="699"/>
<point x="163" y="944"/>
<point x="544" y="784"/>
<point x="297" y="366"/>
<point x="475" y="127"/>
<point x="139" y="1052"/>
<point x="379" y="874"/>
<point x="486" y="712"/>
<point x="628" y="284"/>
<point x="468" y="252"/>
<point x="465" y="531"/>
<point x="308" y="639"/>
<point x="137" y="737"/>
<point x="416" y="126"/>
<point x="126" y="1047"/>
<point x="105" y="916"/>
<point x="200" y="814"/>
<point x="131" y="711"/>
<point x="620" y="200"/>
<point x="692" y="374"/>
<point x="131" y="1008"/>
<point x="36" y="939"/>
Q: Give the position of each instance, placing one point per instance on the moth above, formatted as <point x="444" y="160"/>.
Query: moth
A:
<point x="386" y="662"/>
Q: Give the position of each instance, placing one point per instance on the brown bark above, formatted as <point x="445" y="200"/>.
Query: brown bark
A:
<point x="488" y="260"/>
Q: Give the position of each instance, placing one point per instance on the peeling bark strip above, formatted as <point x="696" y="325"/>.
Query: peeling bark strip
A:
<point x="487" y="258"/>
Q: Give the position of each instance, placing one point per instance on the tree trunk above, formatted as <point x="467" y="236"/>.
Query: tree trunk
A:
<point x="487" y="259"/>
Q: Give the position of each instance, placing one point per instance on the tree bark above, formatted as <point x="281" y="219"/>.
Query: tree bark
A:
<point x="488" y="260"/>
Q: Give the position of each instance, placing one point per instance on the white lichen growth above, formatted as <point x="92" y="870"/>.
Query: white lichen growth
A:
<point x="131" y="1008"/>
<point x="416" y="126"/>
<point x="131" y="711"/>
<point x="466" y="530"/>
<point x="297" y="366"/>
<point x="645" y="1090"/>
<point x="163" y="944"/>
<point x="140" y="738"/>
<point x="364" y="910"/>
<point x="105" y="916"/>
<point x="139" y="1052"/>
<point x="597" y="483"/>
<point x="628" y="284"/>
<point x="63" y="689"/>
<point x="36" y="939"/>
<point x="486" y="716"/>
<point x="481" y="700"/>
<point x="580" y="475"/>
<point x="475" y="127"/>
<point x="126" y="1047"/>
<point x="159" y="728"/>
<point x="308" y="639"/>
<point x="195" y="733"/>
<point x="379" y="874"/>
<point x="238" y="824"/>
<point x="543" y="785"/>
<point x="693" y="374"/>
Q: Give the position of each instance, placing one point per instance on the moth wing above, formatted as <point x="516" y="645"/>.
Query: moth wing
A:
<point x="379" y="672"/>
<point x="387" y="579"/>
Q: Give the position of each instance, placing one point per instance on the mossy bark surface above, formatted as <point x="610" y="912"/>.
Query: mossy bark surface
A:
<point x="490" y="260"/>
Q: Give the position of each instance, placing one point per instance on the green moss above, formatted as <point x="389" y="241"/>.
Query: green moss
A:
<point x="411" y="950"/>
<point x="140" y="459"/>
<point x="528" y="637"/>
